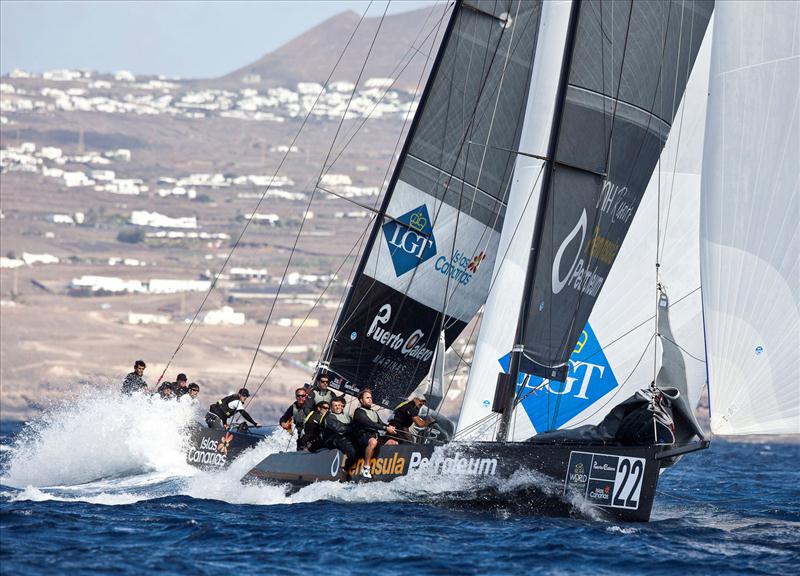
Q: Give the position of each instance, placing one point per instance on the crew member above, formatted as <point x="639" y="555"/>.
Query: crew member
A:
<point x="179" y="387"/>
<point x="319" y="392"/>
<point x="311" y="439"/>
<point x="336" y="430"/>
<point x="296" y="413"/>
<point x="219" y="412"/>
<point x="133" y="381"/>
<point x="192" y="391"/>
<point x="407" y="413"/>
<point x="166" y="393"/>
<point x="366" y="425"/>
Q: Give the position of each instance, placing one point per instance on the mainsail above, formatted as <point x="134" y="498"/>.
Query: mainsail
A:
<point x="607" y="357"/>
<point x="629" y="68"/>
<point x="749" y="220"/>
<point x="427" y="264"/>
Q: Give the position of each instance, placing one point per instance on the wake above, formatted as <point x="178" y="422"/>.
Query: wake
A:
<point x="106" y="449"/>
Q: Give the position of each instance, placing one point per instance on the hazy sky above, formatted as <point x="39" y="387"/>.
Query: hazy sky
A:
<point x="188" y="39"/>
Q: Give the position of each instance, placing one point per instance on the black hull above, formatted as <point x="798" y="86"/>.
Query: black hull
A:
<point x="615" y="482"/>
<point x="576" y="479"/>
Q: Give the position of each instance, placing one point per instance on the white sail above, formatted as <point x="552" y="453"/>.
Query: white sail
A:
<point x="749" y="221"/>
<point x="502" y="307"/>
<point x="615" y="356"/>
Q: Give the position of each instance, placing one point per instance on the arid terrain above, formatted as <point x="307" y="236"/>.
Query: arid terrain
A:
<point x="112" y="183"/>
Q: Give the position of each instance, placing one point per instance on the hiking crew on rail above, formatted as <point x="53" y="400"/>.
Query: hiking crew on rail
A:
<point x="221" y="410"/>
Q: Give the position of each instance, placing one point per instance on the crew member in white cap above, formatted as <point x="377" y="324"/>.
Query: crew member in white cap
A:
<point x="407" y="413"/>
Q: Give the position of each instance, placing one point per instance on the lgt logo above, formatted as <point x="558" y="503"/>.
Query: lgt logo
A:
<point x="410" y="239"/>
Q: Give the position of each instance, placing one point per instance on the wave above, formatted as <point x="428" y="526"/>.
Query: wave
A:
<point x="103" y="448"/>
<point x="100" y="434"/>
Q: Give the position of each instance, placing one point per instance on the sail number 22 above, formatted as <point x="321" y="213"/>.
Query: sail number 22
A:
<point x="628" y="482"/>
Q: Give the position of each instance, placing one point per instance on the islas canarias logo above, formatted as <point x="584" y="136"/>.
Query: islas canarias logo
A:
<point x="410" y="239"/>
<point x="225" y="443"/>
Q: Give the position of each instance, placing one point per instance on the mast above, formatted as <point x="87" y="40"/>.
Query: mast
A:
<point x="518" y="348"/>
<point x="376" y="227"/>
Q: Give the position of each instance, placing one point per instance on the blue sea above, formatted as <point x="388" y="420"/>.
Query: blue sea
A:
<point x="88" y="491"/>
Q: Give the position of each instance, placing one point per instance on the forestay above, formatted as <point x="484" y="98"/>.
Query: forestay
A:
<point x="428" y="261"/>
<point x="749" y="220"/>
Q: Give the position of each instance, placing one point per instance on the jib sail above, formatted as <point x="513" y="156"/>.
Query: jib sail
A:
<point x="749" y="235"/>
<point x="428" y="262"/>
<point x="629" y="66"/>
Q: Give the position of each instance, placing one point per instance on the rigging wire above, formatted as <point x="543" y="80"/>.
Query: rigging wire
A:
<point x="437" y="213"/>
<point x="311" y="196"/>
<point x="308" y="314"/>
<point x="342" y="322"/>
<point x="260" y="200"/>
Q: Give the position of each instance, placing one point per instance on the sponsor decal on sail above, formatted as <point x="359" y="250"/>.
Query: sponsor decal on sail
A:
<point x="407" y="346"/>
<point x="460" y="267"/>
<point x="579" y="276"/>
<point x="590" y="377"/>
<point x="410" y="239"/>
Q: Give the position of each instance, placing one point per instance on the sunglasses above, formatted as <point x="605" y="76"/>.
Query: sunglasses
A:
<point x="300" y="395"/>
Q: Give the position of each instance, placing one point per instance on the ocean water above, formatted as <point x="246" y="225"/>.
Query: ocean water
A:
<point x="100" y="486"/>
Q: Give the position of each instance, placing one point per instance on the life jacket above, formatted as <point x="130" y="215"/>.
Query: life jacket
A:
<point x="315" y="395"/>
<point x="222" y="407"/>
<point x="299" y="415"/>
<point x="343" y="418"/>
<point x="371" y="414"/>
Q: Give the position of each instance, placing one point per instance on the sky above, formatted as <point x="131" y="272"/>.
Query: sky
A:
<point x="189" y="39"/>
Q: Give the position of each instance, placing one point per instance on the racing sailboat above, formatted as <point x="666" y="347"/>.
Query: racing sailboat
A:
<point x="533" y="181"/>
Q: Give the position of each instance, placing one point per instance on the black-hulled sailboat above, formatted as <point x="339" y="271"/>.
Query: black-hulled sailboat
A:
<point x="520" y="185"/>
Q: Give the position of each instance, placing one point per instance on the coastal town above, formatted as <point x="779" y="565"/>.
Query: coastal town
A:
<point x="123" y="195"/>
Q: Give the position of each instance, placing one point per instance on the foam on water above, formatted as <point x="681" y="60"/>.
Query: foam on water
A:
<point x="103" y="448"/>
<point x="100" y="434"/>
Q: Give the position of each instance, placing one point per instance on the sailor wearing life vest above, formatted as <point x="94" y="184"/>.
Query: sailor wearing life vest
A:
<point x="220" y="411"/>
<point x="295" y="414"/>
<point x="336" y="430"/>
<point x="319" y="392"/>
<point x="366" y="425"/>
<point x="311" y="439"/>
<point x="407" y="413"/>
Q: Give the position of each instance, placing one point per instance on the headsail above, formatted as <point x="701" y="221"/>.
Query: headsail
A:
<point x="629" y="68"/>
<point x="427" y="265"/>
<point x="749" y="220"/>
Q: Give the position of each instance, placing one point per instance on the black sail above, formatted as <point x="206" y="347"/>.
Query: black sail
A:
<point x="629" y="66"/>
<point x="429" y="260"/>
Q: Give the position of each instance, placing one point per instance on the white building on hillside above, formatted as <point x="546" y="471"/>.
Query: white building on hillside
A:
<point x="156" y="220"/>
<point x="224" y="316"/>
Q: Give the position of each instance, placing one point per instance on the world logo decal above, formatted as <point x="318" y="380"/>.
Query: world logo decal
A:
<point x="410" y="239"/>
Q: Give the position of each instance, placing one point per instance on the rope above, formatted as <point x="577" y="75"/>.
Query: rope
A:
<point x="261" y="199"/>
<point x="311" y="196"/>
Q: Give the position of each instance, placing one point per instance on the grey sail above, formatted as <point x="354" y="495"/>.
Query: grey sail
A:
<point x="629" y="66"/>
<point x="428" y="262"/>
